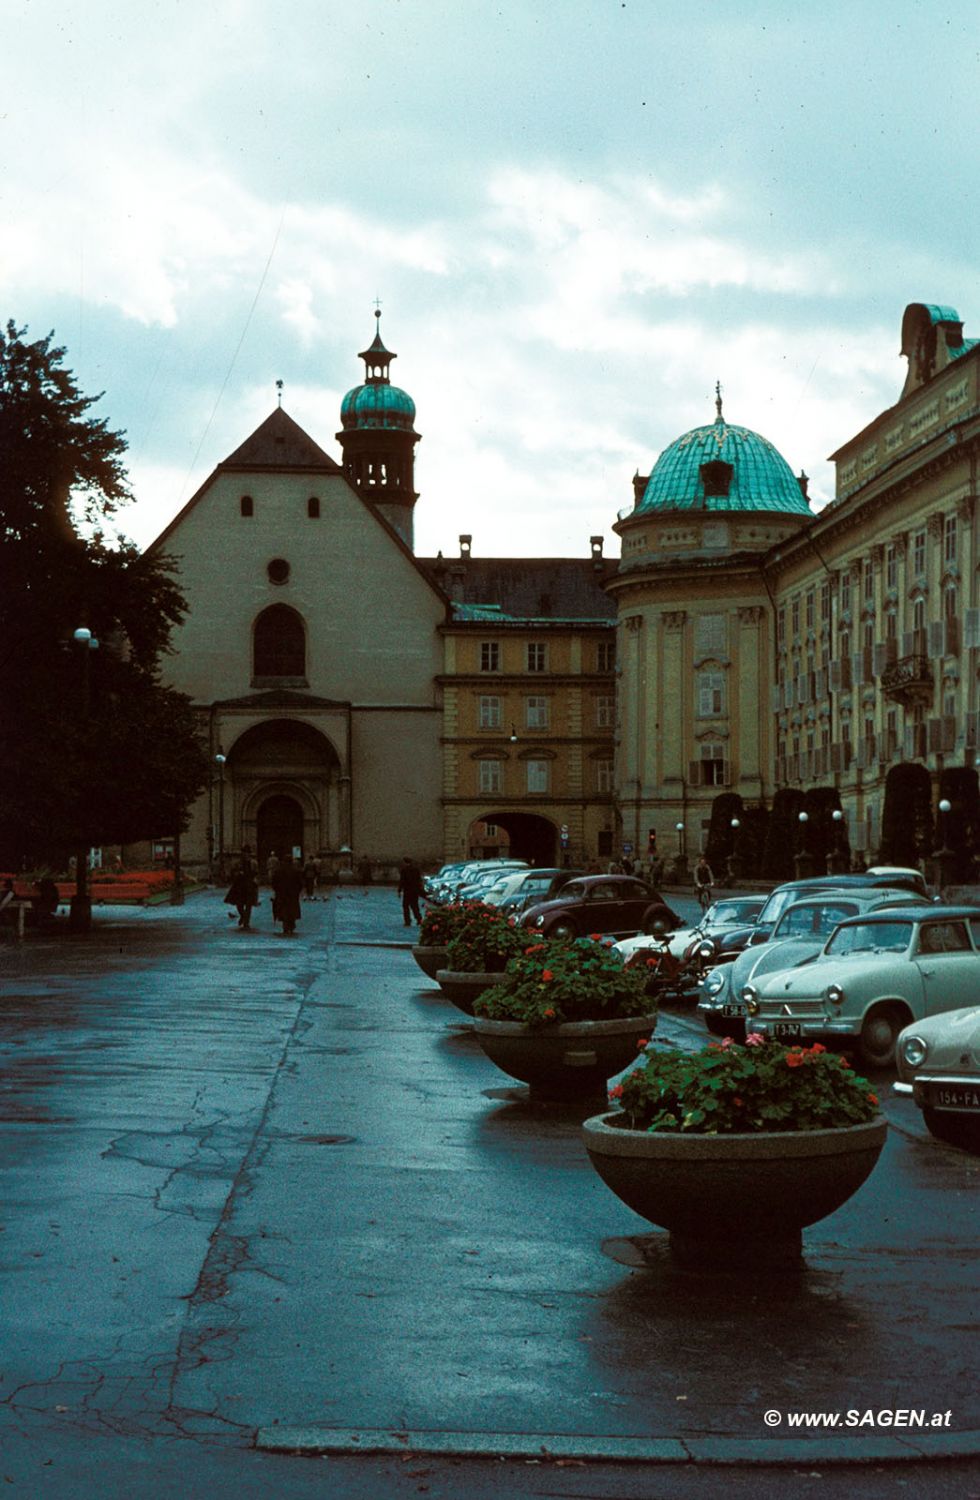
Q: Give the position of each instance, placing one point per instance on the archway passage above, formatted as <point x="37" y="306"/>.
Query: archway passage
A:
<point x="529" y="836"/>
<point x="279" y="828"/>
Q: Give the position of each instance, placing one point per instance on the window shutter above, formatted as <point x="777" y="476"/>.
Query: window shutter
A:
<point x="857" y="664"/>
<point x="971" y="731"/>
<point x="836" y="759"/>
<point x="726" y="779"/>
<point x="780" y="770"/>
<point x="836" y="677"/>
<point x="971" y="635"/>
<point x="951" y="631"/>
<point x="820" y="683"/>
<point x="936" y="638"/>
<point x="908" y="643"/>
<point x="934" y="736"/>
<point x="880" y="658"/>
<point x="694" y="773"/>
<point x="776" y="697"/>
<point x="948" y="733"/>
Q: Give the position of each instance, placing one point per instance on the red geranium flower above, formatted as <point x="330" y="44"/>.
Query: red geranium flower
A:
<point x="547" y="974"/>
<point x="616" y="1092"/>
<point x="794" y="1059"/>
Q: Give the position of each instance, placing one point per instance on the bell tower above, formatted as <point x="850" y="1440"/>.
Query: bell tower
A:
<point x="378" y="439"/>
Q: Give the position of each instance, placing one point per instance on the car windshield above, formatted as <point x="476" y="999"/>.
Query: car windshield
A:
<point x="814" y="919"/>
<point x="870" y="937"/>
<point x="776" y="905"/>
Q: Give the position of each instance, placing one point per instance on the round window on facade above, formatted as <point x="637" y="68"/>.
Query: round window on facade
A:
<point x="278" y="570"/>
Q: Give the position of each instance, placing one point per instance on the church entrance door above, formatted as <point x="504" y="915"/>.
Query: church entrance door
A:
<point x="279" y="828"/>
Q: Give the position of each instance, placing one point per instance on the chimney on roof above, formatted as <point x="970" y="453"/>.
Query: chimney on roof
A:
<point x="465" y="546"/>
<point x="595" y="542"/>
<point x="803" y="480"/>
<point x="640" y="482"/>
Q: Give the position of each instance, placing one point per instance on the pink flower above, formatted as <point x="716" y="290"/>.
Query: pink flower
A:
<point x="729" y="1041"/>
<point x="755" y="1039"/>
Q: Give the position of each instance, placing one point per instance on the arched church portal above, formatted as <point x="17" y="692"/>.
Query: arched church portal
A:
<point x="288" y="791"/>
<point x="521" y="835"/>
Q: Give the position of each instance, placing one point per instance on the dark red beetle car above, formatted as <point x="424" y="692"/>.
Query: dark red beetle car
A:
<point x="616" y="905"/>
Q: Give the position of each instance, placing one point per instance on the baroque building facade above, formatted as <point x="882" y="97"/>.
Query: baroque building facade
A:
<point x="765" y="649"/>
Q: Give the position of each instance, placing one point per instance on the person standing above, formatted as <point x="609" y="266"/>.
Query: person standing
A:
<point x="311" y="874"/>
<point x="410" y="889"/>
<point x="287" y="886"/>
<point x="243" y="893"/>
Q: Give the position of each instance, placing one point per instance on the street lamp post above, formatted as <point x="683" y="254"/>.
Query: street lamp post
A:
<point x="837" y="861"/>
<point x="803" y="859"/>
<point x="680" y="869"/>
<point x="80" y="909"/>
<point x="734" y="859"/>
<point x="219" y="761"/>
<point x="944" y="855"/>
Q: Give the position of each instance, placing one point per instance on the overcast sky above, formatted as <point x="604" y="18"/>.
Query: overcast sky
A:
<point x="578" y="215"/>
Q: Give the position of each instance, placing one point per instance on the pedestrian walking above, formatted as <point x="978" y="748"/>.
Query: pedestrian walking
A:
<point x="243" y="893"/>
<point x="311" y="874"/>
<point x="287" y="886"/>
<point x="271" y="866"/>
<point x="410" y="889"/>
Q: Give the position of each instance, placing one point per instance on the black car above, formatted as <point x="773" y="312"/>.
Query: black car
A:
<point x="614" y="905"/>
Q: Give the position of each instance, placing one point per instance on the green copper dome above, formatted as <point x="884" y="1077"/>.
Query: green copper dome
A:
<point x="722" y="468"/>
<point x="377" y="406"/>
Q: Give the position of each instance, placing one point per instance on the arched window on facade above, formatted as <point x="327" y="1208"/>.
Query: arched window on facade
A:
<point x="279" y="643"/>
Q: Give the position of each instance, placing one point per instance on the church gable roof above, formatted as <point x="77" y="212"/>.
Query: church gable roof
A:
<point x="280" y="443"/>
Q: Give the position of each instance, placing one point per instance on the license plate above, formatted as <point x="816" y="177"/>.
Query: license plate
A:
<point x="733" y="1009"/>
<point x="953" y="1096"/>
<point x="787" y="1031"/>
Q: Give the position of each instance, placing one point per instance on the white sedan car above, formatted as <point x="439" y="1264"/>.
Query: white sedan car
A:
<point x="877" y="974"/>
<point x="939" y="1065"/>
<point x="733" y="911"/>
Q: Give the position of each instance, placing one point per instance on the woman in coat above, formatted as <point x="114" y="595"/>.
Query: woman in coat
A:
<point x="243" y="892"/>
<point x="287" y="884"/>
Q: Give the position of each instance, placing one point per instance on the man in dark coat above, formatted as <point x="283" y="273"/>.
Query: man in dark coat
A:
<point x="287" y="886"/>
<point x="410" y="889"/>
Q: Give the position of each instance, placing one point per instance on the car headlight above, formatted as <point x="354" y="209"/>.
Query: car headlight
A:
<point x="834" y="994"/>
<point x="915" y="1050"/>
<point x="706" y="950"/>
<point x="714" y="982"/>
<point x="750" y="996"/>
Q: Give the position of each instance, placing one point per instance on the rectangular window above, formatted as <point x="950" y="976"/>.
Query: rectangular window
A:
<point x="537" y="775"/>
<point x="711" y="694"/>
<point x="949" y="540"/>
<point x="491" y="779"/>
<point x="810" y="609"/>
<point x="891" y="566"/>
<point x="536" y="713"/>
<point x="712" y="764"/>
<point x="781" y="628"/>
<point x="489" y="713"/>
<point x="795" y="616"/>
<point x="919" y="553"/>
<point x="869" y="579"/>
<point x="845" y="592"/>
<point x="604" y="776"/>
<point x="710" y="636"/>
<point x="824" y="602"/>
<point x="489" y="656"/>
<point x="605" y="713"/>
<point x="605" y="656"/>
<point x="537" y="657"/>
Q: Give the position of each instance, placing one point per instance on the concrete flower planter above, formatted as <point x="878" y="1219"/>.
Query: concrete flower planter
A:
<point x="573" y="1060"/>
<point x="462" y="987"/>
<point x="429" y="959"/>
<point x="734" y="1200"/>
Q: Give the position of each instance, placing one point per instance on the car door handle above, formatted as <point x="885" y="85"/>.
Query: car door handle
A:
<point x="927" y="973"/>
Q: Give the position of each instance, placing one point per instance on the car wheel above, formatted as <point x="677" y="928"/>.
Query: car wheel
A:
<point x="658" y="920"/>
<point x="879" y="1033"/>
<point x="564" y="931"/>
<point x="954" y="1130"/>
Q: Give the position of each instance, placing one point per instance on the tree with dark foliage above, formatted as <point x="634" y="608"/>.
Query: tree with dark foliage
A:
<point x="93" y="748"/>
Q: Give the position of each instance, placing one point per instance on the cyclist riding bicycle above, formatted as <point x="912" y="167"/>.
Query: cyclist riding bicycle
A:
<point x="703" y="881"/>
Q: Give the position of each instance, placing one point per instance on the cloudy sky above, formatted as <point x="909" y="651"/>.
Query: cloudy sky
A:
<point x="578" y="215"/>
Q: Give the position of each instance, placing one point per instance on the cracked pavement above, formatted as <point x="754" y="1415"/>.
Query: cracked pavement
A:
<point x="250" y="1183"/>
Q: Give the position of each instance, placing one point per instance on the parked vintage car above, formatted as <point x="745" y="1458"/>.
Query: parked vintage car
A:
<point x="610" y="904"/>
<point x="798" y="935"/>
<point x="538" y="884"/>
<point x="877" y="973"/>
<point x="720" y="918"/>
<point x="938" y="1062"/>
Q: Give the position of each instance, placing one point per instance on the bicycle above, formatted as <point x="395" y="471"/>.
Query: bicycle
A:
<point x="704" y="897"/>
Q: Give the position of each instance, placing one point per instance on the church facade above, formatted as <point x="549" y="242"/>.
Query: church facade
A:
<point x="360" y="701"/>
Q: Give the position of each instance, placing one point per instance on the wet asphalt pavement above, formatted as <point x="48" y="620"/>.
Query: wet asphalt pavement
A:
<point x="259" y="1193"/>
